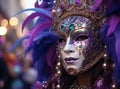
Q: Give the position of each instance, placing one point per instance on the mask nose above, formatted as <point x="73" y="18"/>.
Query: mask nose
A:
<point x="69" y="48"/>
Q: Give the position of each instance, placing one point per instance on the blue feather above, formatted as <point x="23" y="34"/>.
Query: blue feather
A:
<point x="17" y="43"/>
<point x="40" y="46"/>
<point x="40" y="10"/>
<point x="43" y="42"/>
<point x="42" y="69"/>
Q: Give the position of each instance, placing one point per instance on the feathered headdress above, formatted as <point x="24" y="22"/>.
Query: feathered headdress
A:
<point x="42" y="40"/>
<point x="110" y="33"/>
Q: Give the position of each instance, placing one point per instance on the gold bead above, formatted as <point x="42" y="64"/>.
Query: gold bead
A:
<point x="113" y="86"/>
<point x="59" y="56"/>
<point x="59" y="72"/>
<point x="54" y="1"/>
<point x="57" y="67"/>
<point x="105" y="46"/>
<point x="58" y="86"/>
<point x="58" y="64"/>
<point x="105" y="55"/>
<point x="53" y="10"/>
<point x="113" y="65"/>
<point x="104" y="64"/>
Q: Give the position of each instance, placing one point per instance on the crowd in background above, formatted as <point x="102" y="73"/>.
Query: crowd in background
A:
<point x="16" y="71"/>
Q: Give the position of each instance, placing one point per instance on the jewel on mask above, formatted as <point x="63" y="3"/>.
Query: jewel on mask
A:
<point x="80" y="46"/>
<point x="78" y="24"/>
<point x="71" y="27"/>
<point x="63" y="28"/>
<point x="62" y="7"/>
<point x="58" y="10"/>
<point x="77" y="1"/>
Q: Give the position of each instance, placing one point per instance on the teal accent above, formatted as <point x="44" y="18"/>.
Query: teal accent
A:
<point x="71" y="27"/>
<point x="78" y="24"/>
<point x="81" y="46"/>
<point x="71" y="1"/>
<point x="63" y="28"/>
<point x="65" y="25"/>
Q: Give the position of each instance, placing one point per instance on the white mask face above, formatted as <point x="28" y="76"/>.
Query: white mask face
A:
<point x="72" y="46"/>
<point x="72" y="58"/>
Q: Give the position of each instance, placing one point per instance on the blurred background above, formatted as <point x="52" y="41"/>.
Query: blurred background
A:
<point x="16" y="70"/>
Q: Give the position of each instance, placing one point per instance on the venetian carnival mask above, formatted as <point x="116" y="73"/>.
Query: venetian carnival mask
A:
<point x="79" y="40"/>
<point x="74" y="38"/>
<point x="77" y="43"/>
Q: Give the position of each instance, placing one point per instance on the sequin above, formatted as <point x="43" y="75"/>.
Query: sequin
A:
<point x="71" y="27"/>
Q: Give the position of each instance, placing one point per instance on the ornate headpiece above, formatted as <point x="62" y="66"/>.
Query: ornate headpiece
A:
<point x="85" y="8"/>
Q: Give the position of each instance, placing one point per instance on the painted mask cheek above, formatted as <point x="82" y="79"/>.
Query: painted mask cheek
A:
<point x="81" y="42"/>
<point x="80" y="45"/>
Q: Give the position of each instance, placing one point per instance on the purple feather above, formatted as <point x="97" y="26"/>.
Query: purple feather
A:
<point x="32" y="16"/>
<point x="38" y="28"/>
<point x="45" y="4"/>
<point x="96" y="5"/>
<point x="42" y="4"/>
<point x="113" y="22"/>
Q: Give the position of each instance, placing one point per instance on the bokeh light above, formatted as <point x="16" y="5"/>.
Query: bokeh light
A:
<point x="4" y="22"/>
<point x="13" y="21"/>
<point x="3" y="31"/>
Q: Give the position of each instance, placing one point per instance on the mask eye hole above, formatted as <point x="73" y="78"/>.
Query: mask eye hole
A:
<point x="61" y="41"/>
<point x="81" y="38"/>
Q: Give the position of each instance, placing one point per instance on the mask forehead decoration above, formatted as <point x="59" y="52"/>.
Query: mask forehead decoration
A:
<point x="74" y="23"/>
<point x="75" y="28"/>
<point x="66" y="8"/>
<point x="74" y="19"/>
